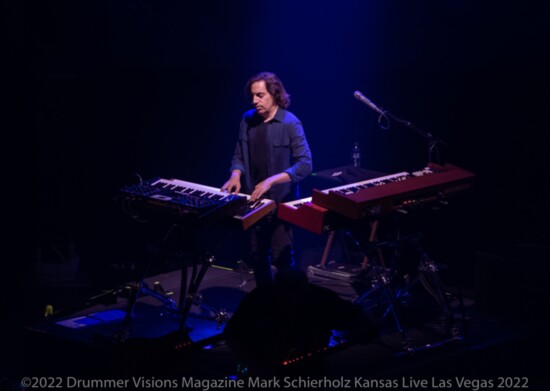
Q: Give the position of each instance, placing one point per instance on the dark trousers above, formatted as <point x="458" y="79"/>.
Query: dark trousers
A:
<point x="271" y="242"/>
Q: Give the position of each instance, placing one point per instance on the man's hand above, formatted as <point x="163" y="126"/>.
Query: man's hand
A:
<point x="233" y="185"/>
<point x="260" y="189"/>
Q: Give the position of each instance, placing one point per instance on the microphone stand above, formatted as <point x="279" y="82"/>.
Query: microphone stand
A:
<point x="433" y="141"/>
<point x="427" y="268"/>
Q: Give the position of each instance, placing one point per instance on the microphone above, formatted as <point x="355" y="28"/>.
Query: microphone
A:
<point x="359" y="96"/>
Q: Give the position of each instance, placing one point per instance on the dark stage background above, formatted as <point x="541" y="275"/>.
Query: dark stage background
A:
<point x="98" y="91"/>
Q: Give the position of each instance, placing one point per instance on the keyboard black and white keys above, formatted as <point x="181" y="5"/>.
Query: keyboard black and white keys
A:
<point x="190" y="202"/>
<point x="339" y="206"/>
<point x="390" y="192"/>
<point x="307" y="214"/>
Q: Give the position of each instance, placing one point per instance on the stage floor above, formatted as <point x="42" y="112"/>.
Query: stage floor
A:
<point x="98" y="339"/>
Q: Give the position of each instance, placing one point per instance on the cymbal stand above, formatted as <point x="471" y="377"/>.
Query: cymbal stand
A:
<point x="382" y="280"/>
<point x="428" y="276"/>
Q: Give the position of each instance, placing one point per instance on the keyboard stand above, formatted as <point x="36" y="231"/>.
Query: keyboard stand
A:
<point x="373" y="238"/>
<point x="189" y="295"/>
<point x="135" y="290"/>
<point x="197" y="258"/>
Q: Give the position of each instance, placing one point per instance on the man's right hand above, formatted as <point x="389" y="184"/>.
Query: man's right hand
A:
<point x="233" y="185"/>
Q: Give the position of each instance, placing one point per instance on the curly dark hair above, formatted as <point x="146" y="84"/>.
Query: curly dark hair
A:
<point x="274" y="86"/>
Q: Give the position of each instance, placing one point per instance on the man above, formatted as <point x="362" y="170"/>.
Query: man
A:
<point x="271" y="155"/>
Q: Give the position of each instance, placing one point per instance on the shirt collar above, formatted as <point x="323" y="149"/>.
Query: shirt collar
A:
<point x="279" y="115"/>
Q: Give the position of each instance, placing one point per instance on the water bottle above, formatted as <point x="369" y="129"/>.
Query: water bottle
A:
<point x="356" y="155"/>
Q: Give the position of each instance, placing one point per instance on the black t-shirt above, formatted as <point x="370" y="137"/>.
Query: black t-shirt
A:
<point x="258" y="153"/>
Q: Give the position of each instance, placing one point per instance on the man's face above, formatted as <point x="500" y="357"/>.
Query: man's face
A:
<point x="262" y="100"/>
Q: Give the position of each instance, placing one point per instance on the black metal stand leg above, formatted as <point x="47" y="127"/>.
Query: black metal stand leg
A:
<point x="183" y="286"/>
<point x="187" y="298"/>
<point x="135" y="289"/>
<point x="158" y="293"/>
<point x="428" y="275"/>
<point x="383" y="281"/>
<point x="432" y="283"/>
<point x="133" y="293"/>
<point x="200" y="259"/>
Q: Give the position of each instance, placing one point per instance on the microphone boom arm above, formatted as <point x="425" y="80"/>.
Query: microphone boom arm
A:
<point x="433" y="142"/>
